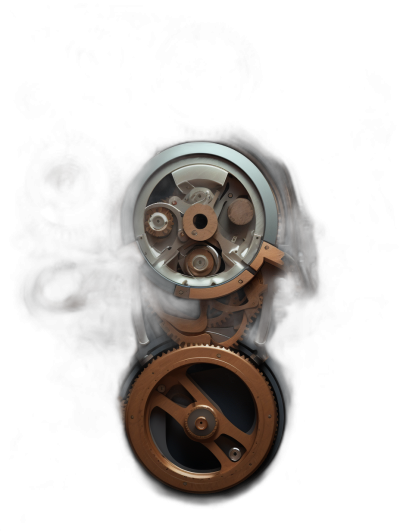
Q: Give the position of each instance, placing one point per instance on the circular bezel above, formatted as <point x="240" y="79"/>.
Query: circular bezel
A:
<point x="236" y="164"/>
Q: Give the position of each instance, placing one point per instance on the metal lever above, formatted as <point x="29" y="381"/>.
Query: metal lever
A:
<point x="136" y="308"/>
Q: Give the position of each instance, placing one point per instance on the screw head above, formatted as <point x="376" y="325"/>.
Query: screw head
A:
<point x="180" y="292"/>
<point x="161" y="388"/>
<point x="230" y="195"/>
<point x="235" y="454"/>
<point x="240" y="281"/>
<point x="194" y="232"/>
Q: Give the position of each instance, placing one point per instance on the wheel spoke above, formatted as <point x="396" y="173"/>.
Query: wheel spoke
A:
<point x="159" y="400"/>
<point x="224" y="460"/>
<point x="195" y="391"/>
<point x="226" y="427"/>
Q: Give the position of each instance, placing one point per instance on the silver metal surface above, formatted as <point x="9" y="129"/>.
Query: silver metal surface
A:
<point x="235" y="454"/>
<point x="186" y="178"/>
<point x="203" y="154"/>
<point x="200" y="262"/>
<point x="136" y="308"/>
<point x="215" y="162"/>
<point x="158" y="221"/>
<point x="278" y="288"/>
<point x="199" y="195"/>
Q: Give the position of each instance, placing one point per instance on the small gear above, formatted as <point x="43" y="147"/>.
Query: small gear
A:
<point x="189" y="331"/>
<point x="71" y="185"/>
<point x="158" y="222"/>
<point x="185" y="439"/>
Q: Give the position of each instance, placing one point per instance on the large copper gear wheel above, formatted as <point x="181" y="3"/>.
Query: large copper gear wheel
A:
<point x="189" y="331"/>
<point x="201" y="419"/>
<point x="71" y="186"/>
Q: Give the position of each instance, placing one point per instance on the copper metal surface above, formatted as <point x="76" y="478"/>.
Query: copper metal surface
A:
<point x="189" y="222"/>
<point x="169" y="370"/>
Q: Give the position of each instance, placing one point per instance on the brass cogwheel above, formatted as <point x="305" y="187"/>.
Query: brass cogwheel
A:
<point x="189" y="331"/>
<point x="206" y="434"/>
<point x="158" y="222"/>
<point x="232" y="323"/>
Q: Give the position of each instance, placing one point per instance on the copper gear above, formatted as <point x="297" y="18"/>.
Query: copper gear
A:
<point x="74" y="190"/>
<point x="167" y="227"/>
<point x="188" y="332"/>
<point x="169" y="370"/>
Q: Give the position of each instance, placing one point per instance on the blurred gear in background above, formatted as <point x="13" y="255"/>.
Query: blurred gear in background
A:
<point x="71" y="186"/>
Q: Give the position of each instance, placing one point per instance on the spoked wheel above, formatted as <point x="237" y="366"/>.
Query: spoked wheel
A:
<point x="201" y="418"/>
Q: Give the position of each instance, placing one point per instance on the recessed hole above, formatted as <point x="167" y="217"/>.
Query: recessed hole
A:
<point x="200" y="221"/>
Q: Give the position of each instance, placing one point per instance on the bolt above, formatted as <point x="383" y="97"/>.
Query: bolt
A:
<point x="235" y="454"/>
<point x="161" y="388"/>
<point x="194" y="232"/>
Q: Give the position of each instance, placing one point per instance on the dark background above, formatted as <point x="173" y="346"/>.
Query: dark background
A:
<point x="324" y="101"/>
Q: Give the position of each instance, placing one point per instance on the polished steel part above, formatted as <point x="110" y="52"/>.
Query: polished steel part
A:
<point x="211" y="167"/>
<point x="235" y="454"/>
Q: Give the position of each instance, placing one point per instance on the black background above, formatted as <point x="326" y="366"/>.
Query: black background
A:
<point x="325" y="104"/>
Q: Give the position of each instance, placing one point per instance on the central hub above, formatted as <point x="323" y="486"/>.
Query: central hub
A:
<point x="201" y="422"/>
<point x="200" y="222"/>
<point x="200" y="262"/>
<point x="158" y="221"/>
